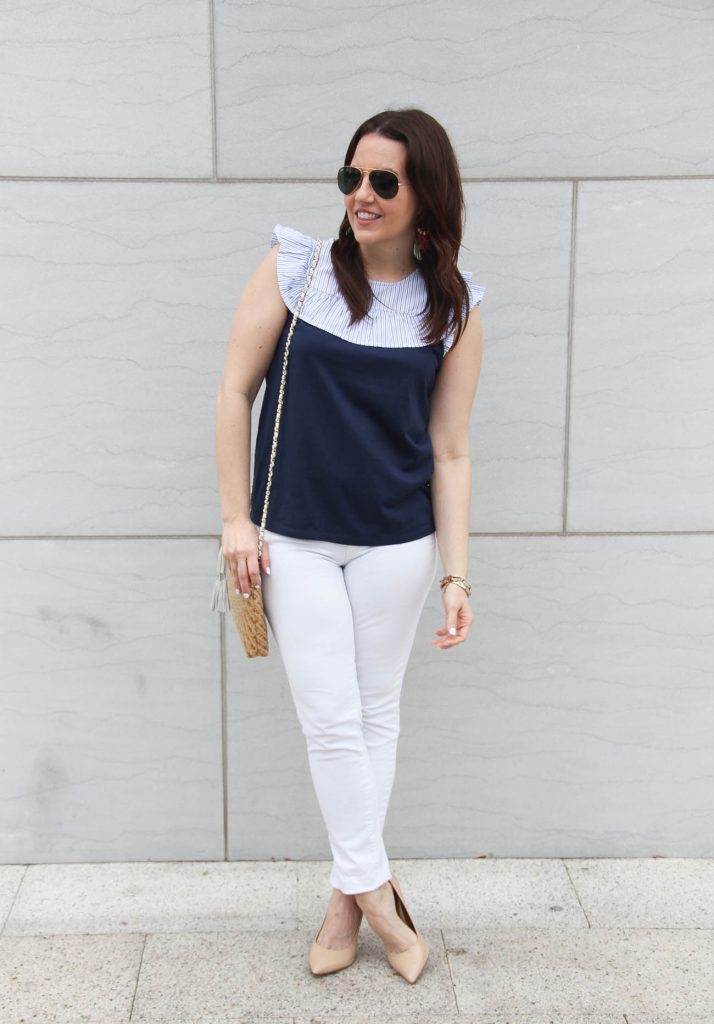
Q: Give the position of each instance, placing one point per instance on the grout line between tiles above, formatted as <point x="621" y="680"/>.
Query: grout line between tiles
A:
<point x="136" y="986"/>
<point x="569" y="355"/>
<point x="267" y="180"/>
<point x="575" y="890"/>
<point x="451" y="976"/>
<point x="472" y="533"/>
<point x="14" y="899"/>
<point x="222" y="654"/>
<point x="212" y="69"/>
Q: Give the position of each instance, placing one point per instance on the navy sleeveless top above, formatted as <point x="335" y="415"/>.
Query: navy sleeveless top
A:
<point x="354" y="459"/>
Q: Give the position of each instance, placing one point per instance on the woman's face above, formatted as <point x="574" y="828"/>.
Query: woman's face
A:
<point x="395" y="219"/>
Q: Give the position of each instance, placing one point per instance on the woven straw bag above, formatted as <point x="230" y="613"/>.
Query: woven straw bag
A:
<point x="248" y="612"/>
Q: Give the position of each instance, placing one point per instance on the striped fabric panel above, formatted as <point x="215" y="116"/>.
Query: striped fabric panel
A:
<point x="395" y="319"/>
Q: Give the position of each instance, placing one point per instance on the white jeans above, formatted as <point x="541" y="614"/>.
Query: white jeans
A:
<point x="344" y="618"/>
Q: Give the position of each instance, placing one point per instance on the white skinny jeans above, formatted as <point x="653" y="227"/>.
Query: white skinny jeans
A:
<point x="344" y="618"/>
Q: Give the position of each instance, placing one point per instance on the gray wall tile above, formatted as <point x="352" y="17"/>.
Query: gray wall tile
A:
<point x="115" y="90"/>
<point x="578" y="718"/>
<point x="642" y="418"/>
<point x="577" y="721"/>
<point x="111" y="701"/>
<point x="517" y="243"/>
<point x="117" y="301"/>
<point x="120" y="352"/>
<point x="557" y="89"/>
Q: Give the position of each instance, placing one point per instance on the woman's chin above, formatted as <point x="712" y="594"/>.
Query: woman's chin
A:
<point x="366" y="235"/>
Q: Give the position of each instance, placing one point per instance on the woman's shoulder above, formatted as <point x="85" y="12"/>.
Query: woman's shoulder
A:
<point x="476" y="291"/>
<point x="291" y="240"/>
<point x="293" y="261"/>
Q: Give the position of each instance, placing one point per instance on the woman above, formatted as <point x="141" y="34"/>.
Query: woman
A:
<point x="372" y="478"/>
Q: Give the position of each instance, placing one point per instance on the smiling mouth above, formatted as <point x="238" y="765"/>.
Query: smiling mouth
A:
<point x="366" y="218"/>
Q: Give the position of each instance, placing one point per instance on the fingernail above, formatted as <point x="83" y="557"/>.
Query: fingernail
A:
<point x="246" y="595"/>
<point x="452" y="630"/>
<point x="268" y="570"/>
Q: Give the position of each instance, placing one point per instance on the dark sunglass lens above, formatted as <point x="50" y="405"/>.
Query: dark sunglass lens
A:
<point x="384" y="183"/>
<point x="348" y="178"/>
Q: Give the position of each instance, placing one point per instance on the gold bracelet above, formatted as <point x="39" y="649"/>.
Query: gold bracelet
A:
<point x="460" y="581"/>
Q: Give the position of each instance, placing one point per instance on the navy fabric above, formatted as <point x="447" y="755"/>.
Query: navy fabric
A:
<point x="354" y="457"/>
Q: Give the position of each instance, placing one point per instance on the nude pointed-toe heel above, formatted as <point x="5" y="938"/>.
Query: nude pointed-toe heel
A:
<point x="396" y="885"/>
<point x="326" y="961"/>
<point x="411" y="962"/>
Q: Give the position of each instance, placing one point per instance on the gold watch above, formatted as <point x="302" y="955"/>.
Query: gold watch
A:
<point x="460" y="581"/>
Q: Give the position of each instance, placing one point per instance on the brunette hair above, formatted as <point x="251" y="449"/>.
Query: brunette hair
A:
<point x="433" y="170"/>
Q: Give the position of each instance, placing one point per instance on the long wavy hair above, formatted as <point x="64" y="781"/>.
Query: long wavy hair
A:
<point x="433" y="170"/>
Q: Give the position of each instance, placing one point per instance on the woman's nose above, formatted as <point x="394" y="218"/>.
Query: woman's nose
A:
<point x="364" y="192"/>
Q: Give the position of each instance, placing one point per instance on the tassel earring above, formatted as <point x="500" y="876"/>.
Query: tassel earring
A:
<point x="421" y="243"/>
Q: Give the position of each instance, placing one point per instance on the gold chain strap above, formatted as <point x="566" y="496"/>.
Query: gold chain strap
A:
<point x="274" y="448"/>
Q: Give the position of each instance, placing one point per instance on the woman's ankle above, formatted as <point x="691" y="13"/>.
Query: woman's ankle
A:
<point x="346" y="897"/>
<point x="373" y="899"/>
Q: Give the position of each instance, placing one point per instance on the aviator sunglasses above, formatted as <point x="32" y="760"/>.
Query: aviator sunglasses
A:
<point x="385" y="183"/>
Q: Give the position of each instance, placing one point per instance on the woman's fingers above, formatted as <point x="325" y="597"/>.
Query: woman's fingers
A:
<point x="445" y="638"/>
<point x="451" y="642"/>
<point x="246" y="569"/>
<point x="239" y="541"/>
<point x="240" y="576"/>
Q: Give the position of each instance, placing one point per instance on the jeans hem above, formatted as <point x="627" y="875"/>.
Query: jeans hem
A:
<point x="351" y="887"/>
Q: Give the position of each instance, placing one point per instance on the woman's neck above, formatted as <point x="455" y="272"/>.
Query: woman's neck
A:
<point x="381" y="265"/>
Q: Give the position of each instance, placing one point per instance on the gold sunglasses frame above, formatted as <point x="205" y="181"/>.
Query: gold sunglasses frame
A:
<point x="368" y="171"/>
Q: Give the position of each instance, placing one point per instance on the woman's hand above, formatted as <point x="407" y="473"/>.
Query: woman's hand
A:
<point x="240" y="553"/>
<point x="457" y="609"/>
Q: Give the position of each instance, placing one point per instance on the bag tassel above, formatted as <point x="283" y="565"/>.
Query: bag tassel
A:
<point x="219" y="600"/>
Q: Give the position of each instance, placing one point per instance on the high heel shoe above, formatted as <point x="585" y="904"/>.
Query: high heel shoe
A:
<point x="326" y="961"/>
<point x="410" y="962"/>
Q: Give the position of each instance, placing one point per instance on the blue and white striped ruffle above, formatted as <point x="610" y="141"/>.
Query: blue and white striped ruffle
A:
<point x="395" y="319"/>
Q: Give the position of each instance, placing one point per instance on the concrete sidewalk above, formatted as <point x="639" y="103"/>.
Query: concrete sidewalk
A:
<point x="512" y="942"/>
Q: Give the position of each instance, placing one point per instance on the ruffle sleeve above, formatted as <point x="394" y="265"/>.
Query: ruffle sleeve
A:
<point x="476" y="293"/>
<point x="294" y="257"/>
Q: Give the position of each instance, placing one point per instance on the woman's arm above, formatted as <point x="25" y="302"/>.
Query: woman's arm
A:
<point x="258" y="320"/>
<point x="451" y="403"/>
<point x="257" y="323"/>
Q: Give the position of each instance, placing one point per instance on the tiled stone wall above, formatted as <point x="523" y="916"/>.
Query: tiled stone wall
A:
<point x="146" y="150"/>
